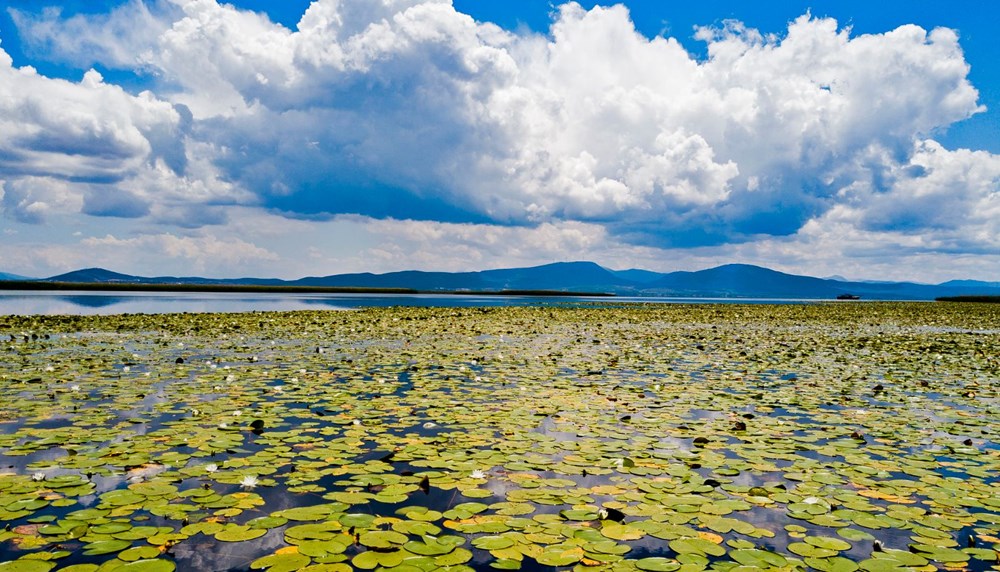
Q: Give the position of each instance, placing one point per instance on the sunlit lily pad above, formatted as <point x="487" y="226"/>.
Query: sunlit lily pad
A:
<point x="238" y="533"/>
<point x="607" y="437"/>
<point x="657" y="564"/>
<point x="282" y="562"/>
<point x="157" y="565"/>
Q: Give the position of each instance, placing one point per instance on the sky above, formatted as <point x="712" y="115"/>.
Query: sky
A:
<point x="286" y="139"/>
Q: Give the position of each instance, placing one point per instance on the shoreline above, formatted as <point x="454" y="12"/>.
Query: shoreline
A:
<point x="267" y="288"/>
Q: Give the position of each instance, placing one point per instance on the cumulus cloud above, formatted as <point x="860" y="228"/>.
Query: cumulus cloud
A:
<point x="413" y="109"/>
<point x="457" y="247"/>
<point x="408" y="109"/>
<point x="204" y="253"/>
<point x="31" y="199"/>
<point x="116" y="39"/>
<point x="939" y="191"/>
<point x="91" y="147"/>
<point x="88" y="131"/>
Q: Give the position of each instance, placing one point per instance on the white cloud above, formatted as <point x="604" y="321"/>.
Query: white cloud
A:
<point x="88" y="131"/>
<point x="940" y="191"/>
<point x="431" y="245"/>
<point x="91" y="147"/>
<point x="32" y="199"/>
<point x="115" y="39"/>
<point x="206" y="253"/>
<point x="594" y="122"/>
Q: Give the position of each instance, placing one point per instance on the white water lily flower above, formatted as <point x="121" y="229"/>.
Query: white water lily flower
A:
<point x="211" y="468"/>
<point x="50" y="368"/>
<point x="811" y="500"/>
<point x="223" y="425"/>
<point x="126" y="368"/>
<point x="429" y="425"/>
<point x="237" y="413"/>
<point x="230" y="377"/>
<point x="478" y="474"/>
<point x="357" y="422"/>
<point x="249" y="482"/>
<point x="602" y="513"/>
<point x="74" y="387"/>
<point x="38" y="477"/>
<point x="278" y="389"/>
<point x="620" y="463"/>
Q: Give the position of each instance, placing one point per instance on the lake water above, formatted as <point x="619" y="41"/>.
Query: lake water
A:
<point x="94" y="302"/>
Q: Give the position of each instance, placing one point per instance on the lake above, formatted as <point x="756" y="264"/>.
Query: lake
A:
<point x="25" y="302"/>
<point x="656" y="437"/>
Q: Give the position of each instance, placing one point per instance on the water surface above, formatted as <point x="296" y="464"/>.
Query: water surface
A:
<point x="25" y="302"/>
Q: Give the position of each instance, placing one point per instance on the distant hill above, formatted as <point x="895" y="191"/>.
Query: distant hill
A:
<point x="102" y="276"/>
<point x="97" y="275"/>
<point x="970" y="284"/>
<point x="728" y="281"/>
<point x="743" y="280"/>
<point x="638" y="276"/>
<point x="563" y="276"/>
<point x="4" y="276"/>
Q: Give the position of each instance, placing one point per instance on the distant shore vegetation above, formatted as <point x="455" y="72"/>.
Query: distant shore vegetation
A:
<point x="34" y="285"/>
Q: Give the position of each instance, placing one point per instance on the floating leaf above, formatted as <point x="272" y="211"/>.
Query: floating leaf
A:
<point x="285" y="562"/>
<point x="696" y="546"/>
<point x="657" y="564"/>
<point x="105" y="547"/>
<point x="382" y="539"/>
<point x="238" y="533"/>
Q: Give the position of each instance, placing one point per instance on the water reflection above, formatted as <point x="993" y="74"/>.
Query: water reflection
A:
<point x="23" y="302"/>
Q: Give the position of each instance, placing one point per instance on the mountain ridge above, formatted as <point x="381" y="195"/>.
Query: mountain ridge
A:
<point x="725" y="281"/>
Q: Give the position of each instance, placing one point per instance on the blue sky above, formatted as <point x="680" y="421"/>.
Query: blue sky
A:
<point x="308" y="138"/>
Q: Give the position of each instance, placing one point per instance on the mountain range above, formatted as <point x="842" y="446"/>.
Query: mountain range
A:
<point x="728" y="281"/>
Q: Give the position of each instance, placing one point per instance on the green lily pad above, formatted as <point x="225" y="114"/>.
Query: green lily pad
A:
<point x="282" y="562"/>
<point x="492" y="542"/>
<point x="430" y="546"/>
<point x="657" y="564"/>
<point x="238" y="533"/>
<point x="105" y="547"/>
<point x="696" y="546"/>
<point x="827" y="542"/>
<point x="758" y="558"/>
<point x="139" y="553"/>
<point x="621" y="532"/>
<point x="560" y="556"/>
<point x="26" y="565"/>
<point x="369" y="560"/>
<point x="382" y="539"/>
<point x="158" y="565"/>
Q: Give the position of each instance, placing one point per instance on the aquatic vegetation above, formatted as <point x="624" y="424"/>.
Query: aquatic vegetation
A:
<point x="827" y="436"/>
